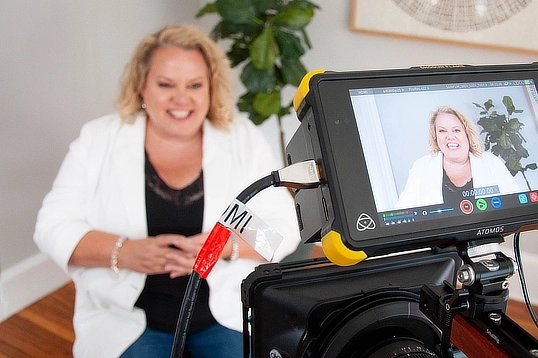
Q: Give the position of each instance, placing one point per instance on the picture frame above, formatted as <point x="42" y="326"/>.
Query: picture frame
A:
<point x="516" y="31"/>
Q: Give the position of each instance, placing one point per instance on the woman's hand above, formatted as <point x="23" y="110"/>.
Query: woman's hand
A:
<point x="181" y="259"/>
<point x="167" y="253"/>
<point x="164" y="254"/>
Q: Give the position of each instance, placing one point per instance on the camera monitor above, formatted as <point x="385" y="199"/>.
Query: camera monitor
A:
<point x="418" y="157"/>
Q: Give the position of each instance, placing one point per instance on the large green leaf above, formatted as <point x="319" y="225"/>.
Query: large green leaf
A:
<point x="256" y="80"/>
<point x="513" y="166"/>
<point x="488" y="124"/>
<point x="293" y="71"/>
<point x="236" y="11"/>
<point x="294" y="17"/>
<point x="261" y="6"/>
<point x="245" y="104"/>
<point x="267" y="104"/>
<point x="516" y="139"/>
<point x="514" y="125"/>
<point x="209" y="8"/>
<point x="519" y="150"/>
<point x="221" y="30"/>
<point x="238" y="53"/>
<point x="498" y="119"/>
<point x="488" y="104"/>
<point x="302" y="3"/>
<point x="257" y="118"/>
<point x="509" y="104"/>
<point x="505" y="141"/>
<point x="264" y="50"/>
<point x="289" y="44"/>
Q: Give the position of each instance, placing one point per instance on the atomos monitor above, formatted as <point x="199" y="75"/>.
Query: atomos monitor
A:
<point x="419" y="157"/>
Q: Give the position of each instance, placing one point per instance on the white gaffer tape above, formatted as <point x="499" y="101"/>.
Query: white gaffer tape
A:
<point x="251" y="228"/>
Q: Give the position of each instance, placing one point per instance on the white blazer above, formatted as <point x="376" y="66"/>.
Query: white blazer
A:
<point x="425" y="182"/>
<point x="101" y="186"/>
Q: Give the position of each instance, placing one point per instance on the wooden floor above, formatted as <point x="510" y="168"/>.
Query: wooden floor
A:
<point x="45" y="328"/>
<point x="42" y="330"/>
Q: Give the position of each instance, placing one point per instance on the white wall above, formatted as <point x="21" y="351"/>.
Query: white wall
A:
<point x="60" y="61"/>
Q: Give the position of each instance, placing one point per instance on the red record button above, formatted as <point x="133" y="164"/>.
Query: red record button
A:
<point x="466" y="206"/>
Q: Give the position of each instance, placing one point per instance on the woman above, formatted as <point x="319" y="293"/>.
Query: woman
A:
<point x="137" y="194"/>
<point x="457" y="162"/>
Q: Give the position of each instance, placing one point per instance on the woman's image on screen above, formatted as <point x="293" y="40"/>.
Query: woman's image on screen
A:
<point x="456" y="163"/>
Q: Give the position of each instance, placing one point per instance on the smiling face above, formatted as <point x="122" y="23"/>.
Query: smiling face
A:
<point x="452" y="138"/>
<point x="176" y="93"/>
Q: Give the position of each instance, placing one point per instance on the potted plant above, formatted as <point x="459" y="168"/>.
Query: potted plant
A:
<point x="268" y="38"/>
<point x="503" y="135"/>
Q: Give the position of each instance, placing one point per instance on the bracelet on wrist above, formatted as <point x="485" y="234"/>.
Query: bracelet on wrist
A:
<point x="235" y="249"/>
<point x="115" y="254"/>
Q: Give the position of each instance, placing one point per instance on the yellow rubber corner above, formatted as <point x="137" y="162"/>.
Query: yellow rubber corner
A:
<point x="338" y="253"/>
<point x="304" y="88"/>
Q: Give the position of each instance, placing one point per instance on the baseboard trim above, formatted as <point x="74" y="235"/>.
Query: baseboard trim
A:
<point x="28" y="281"/>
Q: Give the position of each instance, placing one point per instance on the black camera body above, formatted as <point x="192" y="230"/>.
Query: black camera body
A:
<point x="318" y="309"/>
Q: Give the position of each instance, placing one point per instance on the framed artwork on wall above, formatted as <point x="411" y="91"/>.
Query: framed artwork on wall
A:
<point x="497" y="24"/>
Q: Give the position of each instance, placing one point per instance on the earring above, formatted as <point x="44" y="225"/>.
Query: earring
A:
<point x="144" y="106"/>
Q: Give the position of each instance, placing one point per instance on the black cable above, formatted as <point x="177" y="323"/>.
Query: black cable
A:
<point x="254" y="188"/>
<point x="193" y="285"/>
<point x="185" y="314"/>
<point x="519" y="262"/>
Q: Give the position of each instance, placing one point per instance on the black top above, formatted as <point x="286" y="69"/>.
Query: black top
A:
<point x="452" y="194"/>
<point x="171" y="211"/>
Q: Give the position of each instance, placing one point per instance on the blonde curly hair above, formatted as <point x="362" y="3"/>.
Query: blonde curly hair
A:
<point x="476" y="146"/>
<point x="129" y="101"/>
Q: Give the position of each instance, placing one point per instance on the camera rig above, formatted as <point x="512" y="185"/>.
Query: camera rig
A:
<point x="428" y="303"/>
<point x="425" y="280"/>
<point x="478" y="306"/>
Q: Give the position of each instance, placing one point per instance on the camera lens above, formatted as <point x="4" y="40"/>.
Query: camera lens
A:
<point x="387" y="324"/>
<point x="403" y="348"/>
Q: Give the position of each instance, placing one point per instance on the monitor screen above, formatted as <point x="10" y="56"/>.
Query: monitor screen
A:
<point x="422" y="156"/>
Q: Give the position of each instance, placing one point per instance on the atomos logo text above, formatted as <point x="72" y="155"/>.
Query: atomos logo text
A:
<point x="490" y="231"/>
